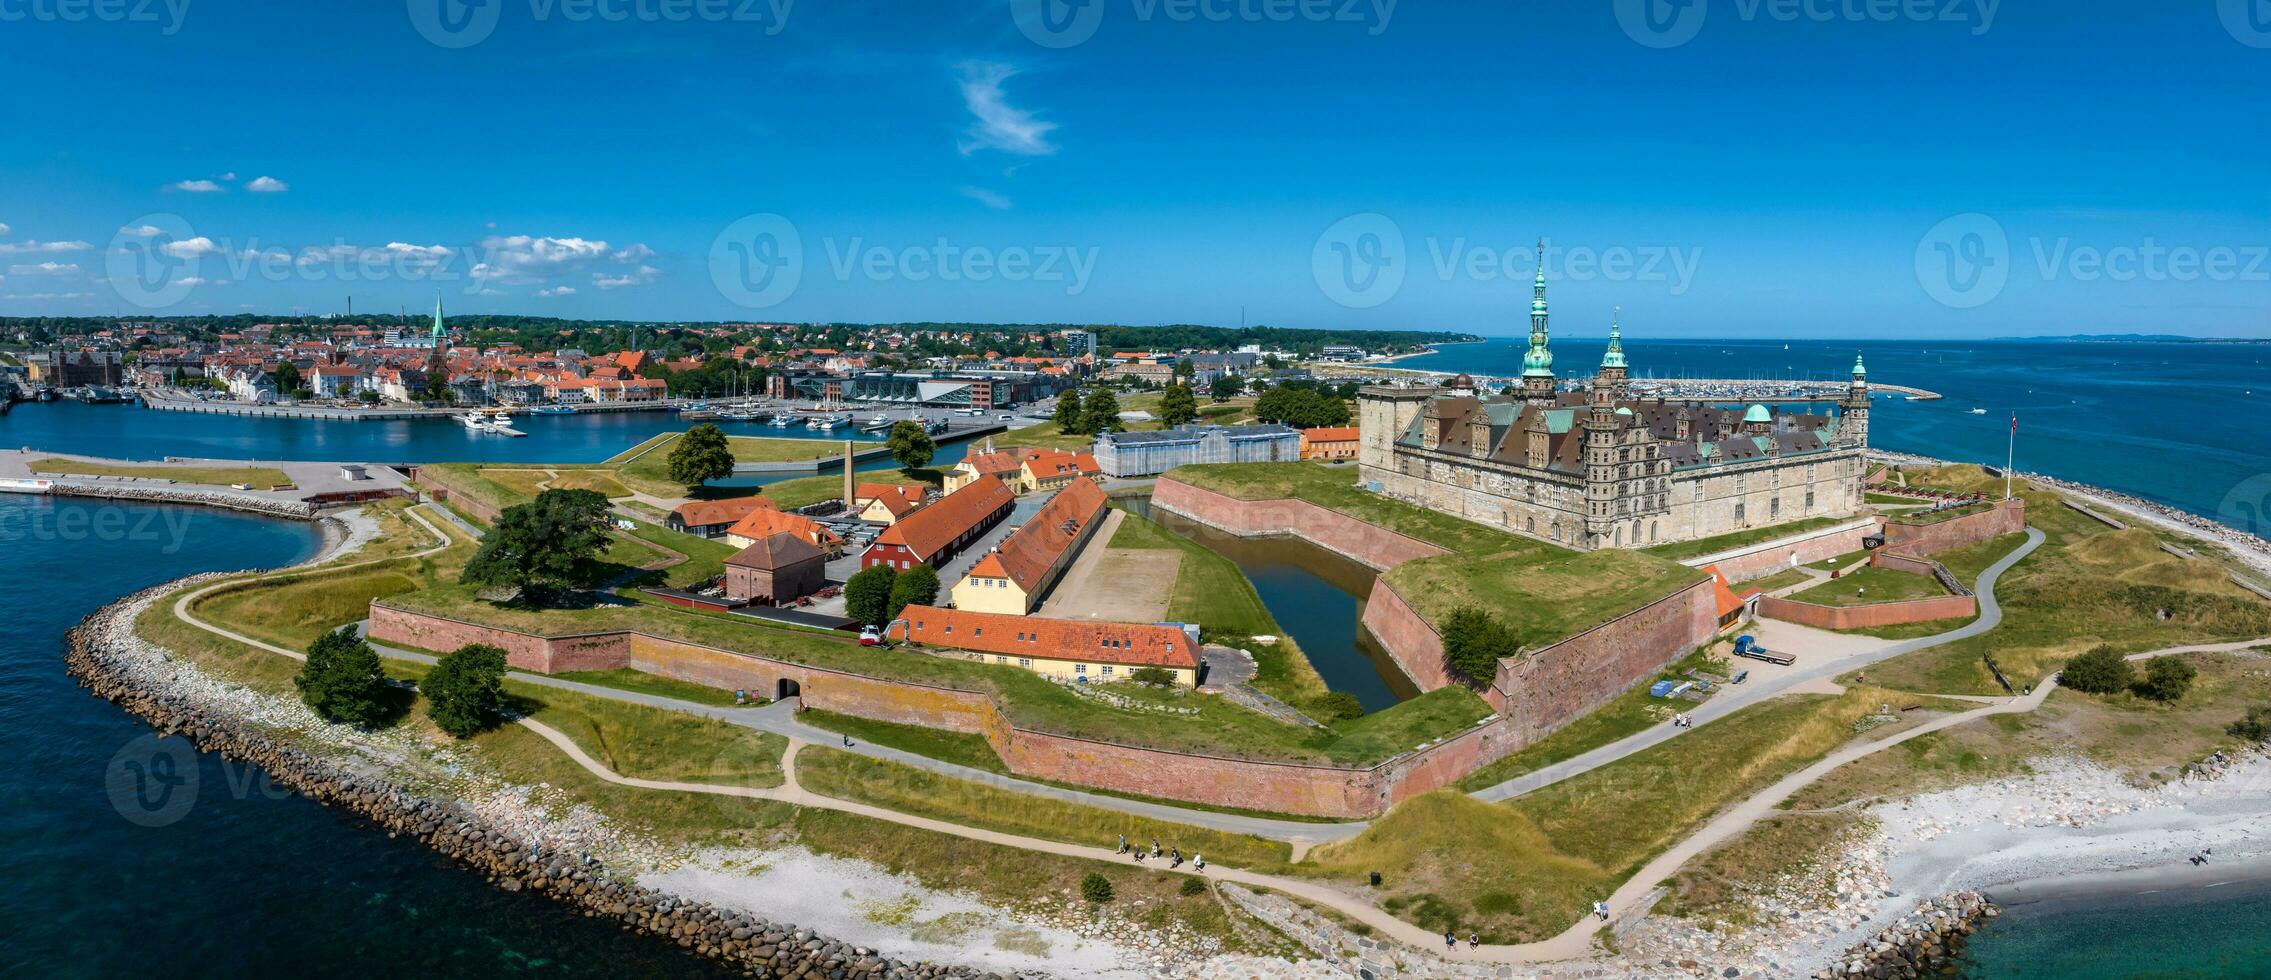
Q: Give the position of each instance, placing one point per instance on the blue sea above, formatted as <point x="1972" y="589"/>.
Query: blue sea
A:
<point x="2182" y="424"/>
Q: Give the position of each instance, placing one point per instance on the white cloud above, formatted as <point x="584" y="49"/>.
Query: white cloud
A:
<point x="44" y="269"/>
<point x="195" y="186"/>
<point x="139" y="231"/>
<point x="999" y="125"/>
<point x="21" y="248"/>
<point x="636" y="253"/>
<point x="267" y="185"/>
<point x="194" y="281"/>
<point x="190" y="248"/>
<point x="486" y="291"/>
<point x="5" y="230"/>
<point x="46" y="296"/>
<point x="397" y="254"/>
<point x="636" y="277"/>
<point x="557" y="291"/>
<point x="987" y="198"/>
<point x="231" y="175"/>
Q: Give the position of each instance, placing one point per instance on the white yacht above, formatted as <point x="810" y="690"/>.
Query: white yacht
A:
<point x="475" y="421"/>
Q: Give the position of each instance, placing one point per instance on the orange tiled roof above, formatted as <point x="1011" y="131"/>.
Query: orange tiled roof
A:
<point x="1025" y="557"/>
<point x="897" y="498"/>
<point x="1332" y="434"/>
<point x="932" y="528"/>
<point x="774" y="552"/>
<point x="1051" y="639"/>
<point x="704" y="512"/>
<point x="1057" y="462"/>
<point x="762" y="523"/>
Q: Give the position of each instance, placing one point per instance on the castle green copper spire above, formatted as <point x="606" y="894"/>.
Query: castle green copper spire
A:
<point x="1614" y="358"/>
<point x="1538" y="363"/>
<point x="1858" y="370"/>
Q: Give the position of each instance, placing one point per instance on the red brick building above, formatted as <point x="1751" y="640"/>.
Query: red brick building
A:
<point x="935" y="533"/>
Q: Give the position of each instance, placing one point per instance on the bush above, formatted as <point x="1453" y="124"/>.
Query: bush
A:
<point x="1192" y="886"/>
<point x="1337" y="706"/>
<point x="2256" y="727"/>
<point x="342" y="681"/>
<point x="465" y="692"/>
<point x="1096" y="888"/>
<point x="1153" y="675"/>
<point x="2167" y="678"/>
<point x="1474" y="642"/>
<point x="2100" y="671"/>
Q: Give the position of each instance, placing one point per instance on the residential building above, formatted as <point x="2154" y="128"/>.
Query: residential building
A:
<point x="886" y="503"/>
<point x="1053" y="469"/>
<point x="1330" y="442"/>
<point x="1068" y="651"/>
<point x="1003" y="466"/>
<point x="778" y="568"/>
<point x="1126" y="454"/>
<point x="762" y="523"/>
<point x="711" y="518"/>
<point x="1014" y="577"/>
<point x="936" y="532"/>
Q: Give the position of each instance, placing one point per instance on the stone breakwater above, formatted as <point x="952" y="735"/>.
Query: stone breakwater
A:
<point x="299" y="510"/>
<point x="106" y="658"/>
<point x="1925" y="942"/>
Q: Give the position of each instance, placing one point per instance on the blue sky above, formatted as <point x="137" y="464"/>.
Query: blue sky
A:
<point x="1960" y="168"/>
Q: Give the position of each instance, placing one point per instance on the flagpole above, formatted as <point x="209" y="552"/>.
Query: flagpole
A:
<point x="2011" y="456"/>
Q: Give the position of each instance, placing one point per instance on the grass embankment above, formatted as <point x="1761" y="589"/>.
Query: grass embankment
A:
<point x="1779" y="580"/>
<point x="1629" y="713"/>
<point x="256" y="477"/>
<point x="641" y="682"/>
<point x="1869" y="584"/>
<point x="467" y="480"/>
<point x="847" y="776"/>
<point x="646" y="466"/>
<point x="961" y="748"/>
<point x="1525" y="869"/>
<point x="2088" y="584"/>
<point x="1210" y="590"/>
<point x="705" y="557"/>
<point x="1543" y="592"/>
<point x="1683" y="550"/>
<point x="530" y="482"/>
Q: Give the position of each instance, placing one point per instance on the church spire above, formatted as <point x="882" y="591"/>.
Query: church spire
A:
<point x="1614" y="358"/>
<point x="1537" y="365"/>
<point x="439" y="333"/>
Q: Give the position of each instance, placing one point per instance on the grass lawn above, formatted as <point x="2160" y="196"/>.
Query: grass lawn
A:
<point x="647" y="465"/>
<point x="257" y="477"/>
<point x="960" y="748"/>
<point x="467" y="479"/>
<point x="844" y="775"/>
<point x="530" y="482"/>
<point x="705" y="557"/>
<point x="1211" y="591"/>
<point x="1737" y="539"/>
<point x="1627" y="714"/>
<point x="1768" y="583"/>
<point x="656" y="743"/>
<point x="1869" y="584"/>
<point x="641" y="682"/>
<point x="1969" y="561"/>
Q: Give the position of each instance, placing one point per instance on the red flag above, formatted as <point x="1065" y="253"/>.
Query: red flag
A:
<point x="2014" y="423"/>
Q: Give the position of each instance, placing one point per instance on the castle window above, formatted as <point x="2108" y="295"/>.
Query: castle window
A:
<point x="1774" y="508"/>
<point x="1809" y="501"/>
<point x="1738" y="513"/>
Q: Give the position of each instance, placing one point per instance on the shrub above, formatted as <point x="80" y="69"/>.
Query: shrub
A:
<point x="342" y="681"/>
<point x="1337" y="706"/>
<point x="465" y="691"/>
<point x="2256" y="727"/>
<point x="2167" y="678"/>
<point x="1192" y="886"/>
<point x="1096" y="888"/>
<point x="2100" y="671"/>
<point x="1153" y="675"/>
<point x="1474" y="642"/>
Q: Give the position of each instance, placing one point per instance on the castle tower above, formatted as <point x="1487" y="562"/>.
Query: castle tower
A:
<point x="1612" y="362"/>
<point x="1853" y="427"/>
<point x="1537" y="365"/>
<point x="1601" y="434"/>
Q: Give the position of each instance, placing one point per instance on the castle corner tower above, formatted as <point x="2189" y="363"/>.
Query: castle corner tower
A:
<point x="1537" y="365"/>
<point x="1853" y="426"/>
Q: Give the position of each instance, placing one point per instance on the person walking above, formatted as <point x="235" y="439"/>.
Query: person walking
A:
<point x="1473" y="940"/>
<point x="1199" y="861"/>
<point x="1123" y="845"/>
<point x="1450" y="941"/>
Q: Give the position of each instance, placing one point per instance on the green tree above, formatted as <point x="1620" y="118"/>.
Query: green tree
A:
<point x="437" y="386"/>
<point x="867" y="594"/>
<point x="1101" y="414"/>
<point x="1178" y="406"/>
<point x="701" y="455"/>
<point x="2256" y="727"/>
<point x="917" y="586"/>
<point x="1338" y="706"/>
<point x="1068" y="414"/>
<point x="2100" y="671"/>
<point x="287" y="376"/>
<point x="1224" y="388"/>
<point x="465" y="692"/>
<point x="1096" y="888"/>
<point x="911" y="445"/>
<point x="547" y="543"/>
<point x="342" y="681"/>
<point x="2167" y="678"/>
<point x="1474" y="642"/>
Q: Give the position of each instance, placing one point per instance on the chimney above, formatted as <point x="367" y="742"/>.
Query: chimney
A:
<point x="847" y="473"/>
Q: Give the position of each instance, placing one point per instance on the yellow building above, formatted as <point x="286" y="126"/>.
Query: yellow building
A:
<point x="1067" y="651"/>
<point x="1012" y="578"/>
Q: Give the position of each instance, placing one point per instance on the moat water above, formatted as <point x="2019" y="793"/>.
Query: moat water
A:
<point x="243" y="880"/>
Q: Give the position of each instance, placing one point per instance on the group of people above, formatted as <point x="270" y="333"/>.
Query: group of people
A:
<point x="1681" y="720"/>
<point x="1174" y="855"/>
<point x="1452" y="942"/>
<point x="2201" y="856"/>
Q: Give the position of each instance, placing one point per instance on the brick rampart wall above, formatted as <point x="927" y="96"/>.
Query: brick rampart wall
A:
<point x="1409" y="641"/>
<point x="1554" y="685"/>
<point x="2006" y="517"/>
<point x="439" y="484"/>
<point x="1764" y="561"/>
<point x="1333" y="531"/>
<point x="1871" y="615"/>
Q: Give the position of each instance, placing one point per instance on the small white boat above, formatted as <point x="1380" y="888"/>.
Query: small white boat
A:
<point x="552" y="410"/>
<point x="1979" y="411"/>
<point x="475" y="421"/>
<point x="501" y="419"/>
<point x="781" y="421"/>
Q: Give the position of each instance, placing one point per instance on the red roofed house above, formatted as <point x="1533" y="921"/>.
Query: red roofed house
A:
<point x="762" y="523"/>
<point x="934" y="533"/>
<point x="1004" y="466"/>
<point x="1078" y="652"/>
<point x="886" y="503"/>
<point x="710" y="518"/>
<point x="779" y="568"/>
<point x="1012" y="579"/>
<point x="1049" y="469"/>
<point x="1329" y="443"/>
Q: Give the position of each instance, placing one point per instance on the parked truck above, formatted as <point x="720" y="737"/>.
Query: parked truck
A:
<point x="1747" y="646"/>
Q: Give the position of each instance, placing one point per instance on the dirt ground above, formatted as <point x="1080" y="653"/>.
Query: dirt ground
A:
<point x="1116" y="584"/>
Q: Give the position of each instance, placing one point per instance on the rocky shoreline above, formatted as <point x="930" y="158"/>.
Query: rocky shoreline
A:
<point x="298" y="510"/>
<point x="1925" y="942"/>
<point x="106" y="658"/>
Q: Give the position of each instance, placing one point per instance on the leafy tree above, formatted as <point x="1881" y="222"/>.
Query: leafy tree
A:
<point x="465" y="691"/>
<point x="1339" y="706"/>
<point x="1184" y="368"/>
<point x="867" y="594"/>
<point x="911" y="445"/>
<point x="1474" y="642"/>
<point x="1224" y="387"/>
<point x="2100" y="671"/>
<point x="1101" y="414"/>
<point x="1178" y="406"/>
<point x="1152" y="675"/>
<point x="1068" y="414"/>
<point x="437" y="386"/>
<point x="2167" y="678"/>
<point x="287" y="376"/>
<point x="1301" y="406"/>
<point x="543" y="544"/>
<point x="2256" y="727"/>
<point x="341" y="679"/>
<point x="367" y="396"/>
<point x="701" y="455"/>
<point x="917" y="586"/>
<point x="1096" y="888"/>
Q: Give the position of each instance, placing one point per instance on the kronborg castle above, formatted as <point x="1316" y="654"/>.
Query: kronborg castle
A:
<point x="1601" y="469"/>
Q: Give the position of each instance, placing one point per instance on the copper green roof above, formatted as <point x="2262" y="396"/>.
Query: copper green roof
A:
<point x="1758" y="413"/>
